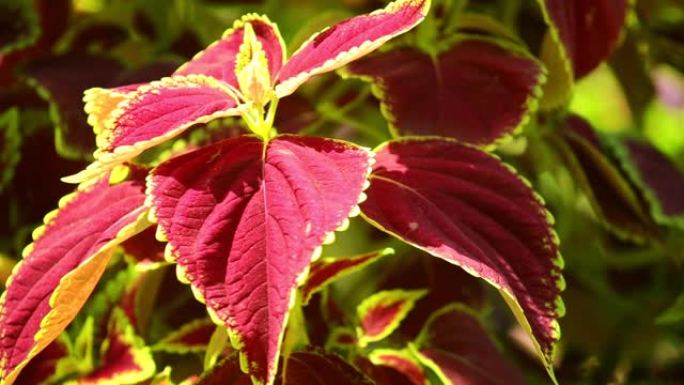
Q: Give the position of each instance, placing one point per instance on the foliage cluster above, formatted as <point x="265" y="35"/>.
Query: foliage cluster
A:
<point x="343" y="192"/>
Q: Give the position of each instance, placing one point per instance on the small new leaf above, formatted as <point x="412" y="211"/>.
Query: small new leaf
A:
<point x="327" y="270"/>
<point x="380" y="314"/>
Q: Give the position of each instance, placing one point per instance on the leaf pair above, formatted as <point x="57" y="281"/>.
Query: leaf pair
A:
<point x="131" y="119"/>
<point x="244" y="217"/>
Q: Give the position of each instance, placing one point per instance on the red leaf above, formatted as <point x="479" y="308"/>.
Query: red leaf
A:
<point x="244" y="221"/>
<point x="477" y="91"/>
<point x="380" y="314"/>
<point x="153" y="114"/>
<point x="402" y="362"/>
<point x="320" y="368"/>
<point x="124" y="359"/>
<point x="325" y="271"/>
<point x="218" y="60"/>
<point x="661" y="182"/>
<point x="589" y="30"/>
<point x="456" y="346"/>
<point x="466" y="207"/>
<point x="191" y="337"/>
<point x="348" y="40"/>
<point x="62" y="267"/>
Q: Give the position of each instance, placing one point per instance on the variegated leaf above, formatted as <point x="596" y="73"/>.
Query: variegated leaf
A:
<point x="61" y="268"/>
<point x="465" y="206"/>
<point x="245" y="218"/>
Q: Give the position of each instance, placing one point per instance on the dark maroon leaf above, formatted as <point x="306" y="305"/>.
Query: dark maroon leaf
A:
<point x="458" y="349"/>
<point x="382" y="375"/>
<point x="321" y="368"/>
<point x="44" y="367"/>
<point x="103" y="36"/>
<point x="477" y="91"/>
<point x="615" y="201"/>
<point x="589" y="30"/>
<point x="465" y="206"/>
<point x="294" y="113"/>
<point x="61" y="80"/>
<point x="661" y="182"/>
<point x="226" y="372"/>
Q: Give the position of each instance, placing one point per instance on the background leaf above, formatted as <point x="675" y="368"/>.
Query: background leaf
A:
<point x="466" y="207"/>
<point x="477" y="91"/>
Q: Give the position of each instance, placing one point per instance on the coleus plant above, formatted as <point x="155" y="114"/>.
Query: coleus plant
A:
<point x="244" y="218"/>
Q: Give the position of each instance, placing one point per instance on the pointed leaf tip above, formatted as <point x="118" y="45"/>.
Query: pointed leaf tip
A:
<point x="321" y="368"/>
<point x="153" y="114"/>
<point x="225" y="209"/>
<point x="325" y="271"/>
<point x="657" y="176"/>
<point x="463" y="205"/>
<point x="349" y="40"/>
<point x="478" y="90"/>
<point x="219" y="59"/>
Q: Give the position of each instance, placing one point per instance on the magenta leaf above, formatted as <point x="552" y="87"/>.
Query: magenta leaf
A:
<point x="245" y="218"/>
<point x="61" y="268"/>
<point x="348" y="40"/>
<point x="659" y="179"/>
<point x="458" y="349"/>
<point x="477" y="91"/>
<point x="401" y="361"/>
<point x="190" y="338"/>
<point x="588" y="30"/>
<point x="218" y="60"/>
<point x="125" y="359"/>
<point x="465" y="206"/>
<point x="321" y="368"/>
<point x="327" y="270"/>
<point x="381" y="313"/>
<point x="152" y="114"/>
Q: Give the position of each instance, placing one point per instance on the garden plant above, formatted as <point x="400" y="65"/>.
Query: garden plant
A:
<point x="342" y="192"/>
